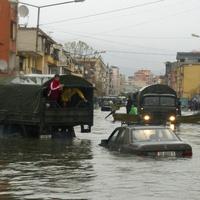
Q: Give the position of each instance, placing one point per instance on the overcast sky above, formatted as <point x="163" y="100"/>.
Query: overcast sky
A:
<point x="136" y="34"/>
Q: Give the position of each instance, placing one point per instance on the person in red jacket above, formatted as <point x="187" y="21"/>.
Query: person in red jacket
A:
<point x="54" y="91"/>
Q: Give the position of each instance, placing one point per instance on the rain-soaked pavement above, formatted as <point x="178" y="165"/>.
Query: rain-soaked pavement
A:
<point x="81" y="169"/>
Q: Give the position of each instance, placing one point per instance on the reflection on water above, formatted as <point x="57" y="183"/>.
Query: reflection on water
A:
<point x="81" y="169"/>
<point x="37" y="168"/>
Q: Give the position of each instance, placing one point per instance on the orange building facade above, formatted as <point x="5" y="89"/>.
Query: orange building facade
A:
<point x="8" y="36"/>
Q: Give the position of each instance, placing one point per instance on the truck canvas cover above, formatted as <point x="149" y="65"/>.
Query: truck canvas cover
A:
<point x="72" y="81"/>
<point x="22" y="101"/>
<point x="157" y="89"/>
<point x="19" y="97"/>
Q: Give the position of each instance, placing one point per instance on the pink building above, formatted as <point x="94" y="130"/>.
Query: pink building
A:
<point x="143" y="77"/>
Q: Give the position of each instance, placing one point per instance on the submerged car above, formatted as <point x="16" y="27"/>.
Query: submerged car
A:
<point x="147" y="141"/>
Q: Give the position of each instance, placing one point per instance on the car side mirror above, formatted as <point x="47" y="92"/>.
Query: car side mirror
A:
<point x="104" y="143"/>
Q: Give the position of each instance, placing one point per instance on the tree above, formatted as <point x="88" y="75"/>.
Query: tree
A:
<point x="79" y="49"/>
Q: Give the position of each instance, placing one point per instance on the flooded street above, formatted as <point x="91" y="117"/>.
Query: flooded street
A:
<point x="81" y="169"/>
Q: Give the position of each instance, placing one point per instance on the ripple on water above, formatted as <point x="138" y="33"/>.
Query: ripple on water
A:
<point x="81" y="169"/>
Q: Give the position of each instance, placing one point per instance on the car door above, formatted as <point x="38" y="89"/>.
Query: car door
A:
<point x="124" y="141"/>
<point x="115" y="142"/>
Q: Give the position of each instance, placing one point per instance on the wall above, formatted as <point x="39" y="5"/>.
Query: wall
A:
<point x="191" y="80"/>
<point x="26" y="40"/>
<point x="8" y="22"/>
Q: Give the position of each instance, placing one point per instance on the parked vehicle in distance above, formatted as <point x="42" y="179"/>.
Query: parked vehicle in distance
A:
<point x="155" y="141"/>
<point x="106" y="106"/>
<point x="106" y="102"/>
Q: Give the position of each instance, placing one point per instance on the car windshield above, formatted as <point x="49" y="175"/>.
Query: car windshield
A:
<point x="151" y="101"/>
<point x="167" y="101"/>
<point x="153" y="135"/>
<point x="107" y="103"/>
<point x="155" y="101"/>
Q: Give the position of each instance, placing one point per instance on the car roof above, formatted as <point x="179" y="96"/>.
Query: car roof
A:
<point x="143" y="127"/>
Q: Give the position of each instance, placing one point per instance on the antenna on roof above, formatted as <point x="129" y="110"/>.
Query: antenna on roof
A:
<point x="23" y="11"/>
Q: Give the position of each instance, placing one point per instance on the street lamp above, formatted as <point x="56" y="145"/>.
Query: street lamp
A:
<point x="195" y="35"/>
<point x="45" y="6"/>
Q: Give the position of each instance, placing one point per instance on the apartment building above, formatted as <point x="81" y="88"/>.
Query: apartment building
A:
<point x="8" y="36"/>
<point x="37" y="52"/>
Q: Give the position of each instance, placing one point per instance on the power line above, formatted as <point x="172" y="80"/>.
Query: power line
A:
<point x="140" y="53"/>
<point x="143" y="23"/>
<point x="148" y="37"/>
<point x="104" y="13"/>
<point x="112" y="42"/>
<point x="146" y="22"/>
<point x="128" y="52"/>
<point x="118" y="16"/>
<point x="149" y="21"/>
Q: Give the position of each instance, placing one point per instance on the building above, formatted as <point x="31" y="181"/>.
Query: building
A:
<point x="142" y="78"/>
<point x="171" y="74"/>
<point x="65" y="63"/>
<point x="188" y="74"/>
<point x="37" y="52"/>
<point x="8" y="36"/>
<point x="184" y="74"/>
<point x="114" y="81"/>
<point x="95" y="71"/>
<point x="122" y="83"/>
<point x="130" y="86"/>
<point x="101" y="74"/>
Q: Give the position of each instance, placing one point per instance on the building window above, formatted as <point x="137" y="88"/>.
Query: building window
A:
<point x="55" y="54"/>
<point x="13" y="28"/>
<point x="21" y="61"/>
<point x="47" y="48"/>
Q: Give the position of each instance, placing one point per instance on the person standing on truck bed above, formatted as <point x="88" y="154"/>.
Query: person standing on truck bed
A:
<point x="54" y="91"/>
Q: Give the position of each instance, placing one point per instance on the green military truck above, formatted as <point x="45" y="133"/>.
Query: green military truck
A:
<point x="158" y="103"/>
<point x="24" y="106"/>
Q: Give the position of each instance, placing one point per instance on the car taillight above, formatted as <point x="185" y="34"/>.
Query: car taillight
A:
<point x="187" y="153"/>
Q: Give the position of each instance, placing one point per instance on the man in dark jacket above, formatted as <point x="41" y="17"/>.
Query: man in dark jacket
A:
<point x="128" y="105"/>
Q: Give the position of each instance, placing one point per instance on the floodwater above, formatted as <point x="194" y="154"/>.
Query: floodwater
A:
<point x="81" y="169"/>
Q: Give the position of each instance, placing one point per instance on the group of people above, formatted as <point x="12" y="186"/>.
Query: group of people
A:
<point x="60" y="96"/>
<point x="194" y="105"/>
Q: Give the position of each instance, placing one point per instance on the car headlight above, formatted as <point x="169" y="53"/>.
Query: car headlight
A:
<point x="172" y="127"/>
<point x="172" y="118"/>
<point x="146" y="117"/>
